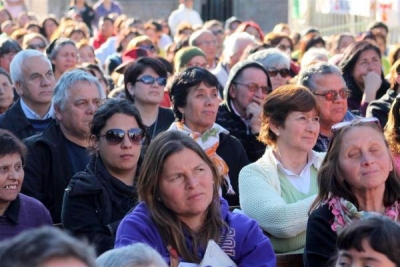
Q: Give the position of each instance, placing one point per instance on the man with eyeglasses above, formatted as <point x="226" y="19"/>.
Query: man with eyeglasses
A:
<point x="325" y="81"/>
<point x="206" y="41"/>
<point x="240" y="113"/>
<point x="61" y="150"/>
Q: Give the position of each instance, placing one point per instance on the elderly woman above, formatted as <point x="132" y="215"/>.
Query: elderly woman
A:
<point x="98" y="198"/>
<point x="144" y="81"/>
<point x="181" y="211"/>
<point x="380" y="108"/>
<point x="362" y="70"/>
<point x="276" y="63"/>
<point x="17" y="211"/>
<point x="194" y="95"/>
<point x="356" y="178"/>
<point x="278" y="189"/>
<point x="374" y="241"/>
<point x="63" y="55"/>
<point x="6" y="91"/>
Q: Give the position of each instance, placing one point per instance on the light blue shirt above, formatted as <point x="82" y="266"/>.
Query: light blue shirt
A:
<point x="30" y="114"/>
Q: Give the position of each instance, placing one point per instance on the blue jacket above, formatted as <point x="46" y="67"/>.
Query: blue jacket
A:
<point x="244" y="243"/>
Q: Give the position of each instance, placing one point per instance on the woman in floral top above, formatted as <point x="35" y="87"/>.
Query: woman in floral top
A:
<point x="356" y="179"/>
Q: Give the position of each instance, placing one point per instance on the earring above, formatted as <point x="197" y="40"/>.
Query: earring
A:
<point x="183" y="118"/>
<point x="277" y="134"/>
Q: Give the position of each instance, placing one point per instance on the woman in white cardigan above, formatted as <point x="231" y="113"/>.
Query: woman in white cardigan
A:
<point x="278" y="189"/>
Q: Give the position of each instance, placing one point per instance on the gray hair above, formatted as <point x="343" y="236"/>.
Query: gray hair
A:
<point x="33" y="248"/>
<point x="131" y="256"/>
<point x="20" y="59"/>
<point x="194" y="36"/>
<point x="271" y="58"/>
<point x="307" y="75"/>
<point x="314" y="54"/>
<point x="232" y="43"/>
<point x="67" y="82"/>
<point x="58" y="45"/>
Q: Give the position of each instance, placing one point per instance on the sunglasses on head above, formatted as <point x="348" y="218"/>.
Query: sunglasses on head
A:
<point x="115" y="136"/>
<point x="336" y="127"/>
<point x="332" y="95"/>
<point x="147" y="79"/>
<point x="283" y="72"/>
<point x="40" y="46"/>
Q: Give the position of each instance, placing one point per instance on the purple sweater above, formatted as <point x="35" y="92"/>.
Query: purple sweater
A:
<point x="244" y="243"/>
<point x="22" y="214"/>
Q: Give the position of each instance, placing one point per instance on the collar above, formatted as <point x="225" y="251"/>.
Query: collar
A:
<point x="30" y="114"/>
<point x="311" y="160"/>
<point x="246" y="121"/>
<point x="12" y="212"/>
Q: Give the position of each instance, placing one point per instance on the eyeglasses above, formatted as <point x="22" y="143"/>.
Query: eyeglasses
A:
<point x="148" y="47"/>
<point x="332" y="95"/>
<point x="36" y="46"/>
<point x="115" y="136"/>
<point x="253" y="87"/>
<point x="283" y="72"/>
<point x="147" y="79"/>
<point x="336" y="127"/>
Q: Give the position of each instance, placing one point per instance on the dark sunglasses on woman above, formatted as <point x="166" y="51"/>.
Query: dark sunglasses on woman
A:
<point x="283" y="72"/>
<point x="115" y="136"/>
<point x="147" y="79"/>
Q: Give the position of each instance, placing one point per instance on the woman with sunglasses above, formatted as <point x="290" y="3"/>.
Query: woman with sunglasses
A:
<point x="357" y="178"/>
<point x="194" y="95"/>
<point x="98" y="198"/>
<point x="277" y="190"/>
<point x="144" y="82"/>
<point x="276" y="63"/>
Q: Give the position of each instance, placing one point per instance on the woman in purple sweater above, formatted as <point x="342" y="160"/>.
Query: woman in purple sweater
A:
<point x="180" y="208"/>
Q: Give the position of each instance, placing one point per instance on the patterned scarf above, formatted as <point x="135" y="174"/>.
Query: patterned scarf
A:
<point x="344" y="212"/>
<point x="209" y="141"/>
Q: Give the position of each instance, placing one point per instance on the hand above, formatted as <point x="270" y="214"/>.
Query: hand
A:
<point x="372" y="83"/>
<point x="253" y="112"/>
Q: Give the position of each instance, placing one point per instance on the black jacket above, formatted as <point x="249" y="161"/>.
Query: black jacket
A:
<point x="380" y="108"/>
<point x="94" y="204"/>
<point x="234" y="155"/>
<point x="47" y="169"/>
<point x="16" y="122"/>
<point x="320" y="238"/>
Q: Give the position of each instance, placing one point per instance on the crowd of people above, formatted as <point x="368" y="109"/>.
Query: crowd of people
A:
<point x="144" y="141"/>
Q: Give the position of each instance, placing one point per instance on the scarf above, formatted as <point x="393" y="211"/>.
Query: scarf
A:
<point x="209" y="141"/>
<point x="344" y="212"/>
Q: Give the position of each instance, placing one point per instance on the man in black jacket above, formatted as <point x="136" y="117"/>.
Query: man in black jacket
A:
<point x="34" y="81"/>
<point x="60" y="152"/>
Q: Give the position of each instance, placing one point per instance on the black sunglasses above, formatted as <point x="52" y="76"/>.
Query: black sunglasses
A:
<point x="115" y="136"/>
<point x="282" y="72"/>
<point x="147" y="79"/>
<point x="41" y="46"/>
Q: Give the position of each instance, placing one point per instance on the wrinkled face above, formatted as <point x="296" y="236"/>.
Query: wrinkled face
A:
<point x="86" y="54"/>
<point x="122" y="157"/>
<point x="241" y="95"/>
<point x="364" y="159"/>
<point x="6" y="93"/>
<point x="38" y="82"/>
<point x="201" y="107"/>
<point x="186" y="185"/>
<point x="367" y="257"/>
<point x="208" y="43"/>
<point x="11" y="177"/>
<point x="147" y="93"/>
<point x="67" y="58"/>
<point x="331" y="112"/>
<point x="83" y="100"/>
<point x="368" y="61"/>
<point x="300" y="131"/>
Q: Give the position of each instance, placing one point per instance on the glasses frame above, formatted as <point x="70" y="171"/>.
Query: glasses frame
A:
<point x="119" y="135"/>
<point x="265" y="89"/>
<point x="161" y="81"/>
<point x="274" y="72"/>
<point x="344" y="95"/>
